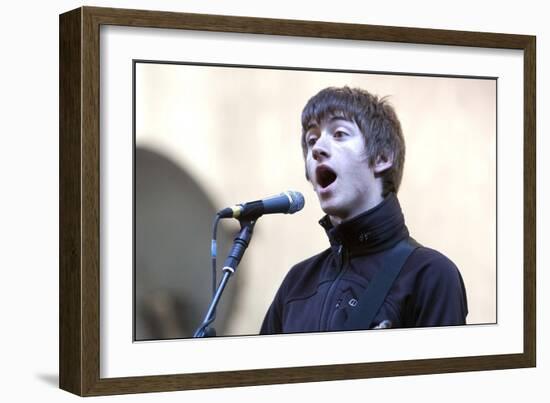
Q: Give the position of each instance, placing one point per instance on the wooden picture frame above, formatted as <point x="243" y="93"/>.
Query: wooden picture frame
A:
<point x="80" y="200"/>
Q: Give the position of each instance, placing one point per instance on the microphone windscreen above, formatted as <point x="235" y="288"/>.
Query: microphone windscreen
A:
<point x="297" y="201"/>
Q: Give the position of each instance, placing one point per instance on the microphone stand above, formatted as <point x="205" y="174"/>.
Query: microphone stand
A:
<point x="240" y="244"/>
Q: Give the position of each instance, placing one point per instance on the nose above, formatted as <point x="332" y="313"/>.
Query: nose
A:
<point x="321" y="148"/>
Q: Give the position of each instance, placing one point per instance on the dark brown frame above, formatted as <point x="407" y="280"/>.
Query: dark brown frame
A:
<point x="79" y="200"/>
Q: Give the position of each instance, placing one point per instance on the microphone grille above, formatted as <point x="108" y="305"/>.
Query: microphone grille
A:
<point x="296" y="201"/>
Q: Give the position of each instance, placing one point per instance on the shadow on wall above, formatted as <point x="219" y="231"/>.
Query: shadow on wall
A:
<point x="173" y="229"/>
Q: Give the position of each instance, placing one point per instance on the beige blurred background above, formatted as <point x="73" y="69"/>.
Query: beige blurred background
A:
<point x="225" y="135"/>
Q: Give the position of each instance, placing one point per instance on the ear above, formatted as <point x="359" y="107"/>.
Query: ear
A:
<point x="382" y="163"/>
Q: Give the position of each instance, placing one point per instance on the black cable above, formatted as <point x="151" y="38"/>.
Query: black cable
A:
<point x="214" y="252"/>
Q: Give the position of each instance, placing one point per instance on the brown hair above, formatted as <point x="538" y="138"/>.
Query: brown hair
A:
<point x="376" y="119"/>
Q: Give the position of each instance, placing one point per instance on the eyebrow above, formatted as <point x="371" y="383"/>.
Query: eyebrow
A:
<point x="331" y="120"/>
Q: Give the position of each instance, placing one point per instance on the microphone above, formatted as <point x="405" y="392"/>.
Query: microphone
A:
<point x="285" y="203"/>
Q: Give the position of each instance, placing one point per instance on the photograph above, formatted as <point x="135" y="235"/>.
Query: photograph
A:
<point x="257" y="201"/>
<point x="378" y="160"/>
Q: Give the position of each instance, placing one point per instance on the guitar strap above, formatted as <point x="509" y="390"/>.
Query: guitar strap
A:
<point x="373" y="297"/>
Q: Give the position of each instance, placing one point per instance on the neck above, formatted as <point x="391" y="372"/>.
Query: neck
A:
<point x="370" y="203"/>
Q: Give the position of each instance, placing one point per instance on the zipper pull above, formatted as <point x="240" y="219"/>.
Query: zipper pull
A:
<point x="341" y="255"/>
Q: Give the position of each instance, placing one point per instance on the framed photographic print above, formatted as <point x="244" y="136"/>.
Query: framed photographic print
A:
<point x="167" y="118"/>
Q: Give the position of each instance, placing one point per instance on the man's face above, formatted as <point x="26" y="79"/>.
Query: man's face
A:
<point x="338" y="169"/>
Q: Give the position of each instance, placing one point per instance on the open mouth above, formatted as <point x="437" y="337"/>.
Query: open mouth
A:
<point x="325" y="176"/>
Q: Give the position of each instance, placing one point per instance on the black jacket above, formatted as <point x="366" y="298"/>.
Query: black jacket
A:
<point x="318" y="293"/>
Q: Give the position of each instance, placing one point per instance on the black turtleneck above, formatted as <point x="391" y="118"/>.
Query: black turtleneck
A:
<point x="318" y="293"/>
<point x="375" y="230"/>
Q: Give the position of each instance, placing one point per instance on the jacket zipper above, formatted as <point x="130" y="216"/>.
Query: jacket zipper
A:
<point x="325" y="312"/>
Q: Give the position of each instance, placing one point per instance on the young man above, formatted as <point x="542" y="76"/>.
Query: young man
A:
<point x="354" y="154"/>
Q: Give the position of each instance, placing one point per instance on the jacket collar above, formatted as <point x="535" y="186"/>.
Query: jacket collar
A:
<point x="373" y="231"/>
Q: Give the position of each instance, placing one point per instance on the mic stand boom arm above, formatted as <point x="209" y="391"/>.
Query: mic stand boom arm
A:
<point x="230" y="266"/>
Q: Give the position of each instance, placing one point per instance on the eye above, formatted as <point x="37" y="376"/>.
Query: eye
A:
<point x="310" y="141"/>
<point x="339" y="134"/>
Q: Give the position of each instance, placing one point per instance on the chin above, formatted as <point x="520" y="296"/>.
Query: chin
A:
<point x="331" y="209"/>
<point x="337" y="208"/>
